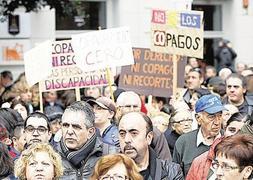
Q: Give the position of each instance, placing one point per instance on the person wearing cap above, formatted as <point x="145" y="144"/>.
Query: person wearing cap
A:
<point x="105" y="109"/>
<point x="190" y="145"/>
<point x="54" y="114"/>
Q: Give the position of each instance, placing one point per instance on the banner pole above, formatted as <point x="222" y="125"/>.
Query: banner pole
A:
<point x="78" y="96"/>
<point x="41" y="98"/>
<point x="174" y="59"/>
<point x="108" y="74"/>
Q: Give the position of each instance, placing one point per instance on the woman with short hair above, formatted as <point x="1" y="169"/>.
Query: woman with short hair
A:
<point x="234" y="158"/>
<point x="116" y="166"/>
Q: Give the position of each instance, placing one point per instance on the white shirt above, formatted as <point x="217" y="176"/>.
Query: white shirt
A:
<point x="201" y="139"/>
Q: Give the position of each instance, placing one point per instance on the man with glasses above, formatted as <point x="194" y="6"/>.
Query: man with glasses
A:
<point x="234" y="158"/>
<point x="190" y="145"/>
<point x="80" y="147"/>
<point x="181" y="123"/>
<point x="37" y="129"/>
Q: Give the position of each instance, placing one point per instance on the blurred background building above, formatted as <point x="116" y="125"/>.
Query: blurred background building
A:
<point x="223" y="19"/>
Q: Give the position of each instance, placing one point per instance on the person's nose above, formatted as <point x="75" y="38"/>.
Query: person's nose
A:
<point x="39" y="167"/>
<point x="70" y="130"/>
<point x="128" y="138"/>
<point x="232" y="89"/>
<point x="219" y="172"/>
<point x="218" y="119"/>
<point x="35" y="133"/>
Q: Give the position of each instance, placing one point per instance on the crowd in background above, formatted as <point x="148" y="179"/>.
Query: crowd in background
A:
<point x="204" y="131"/>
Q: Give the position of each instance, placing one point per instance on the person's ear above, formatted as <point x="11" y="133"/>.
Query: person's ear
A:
<point x="49" y="135"/>
<point x="91" y="132"/>
<point x="247" y="172"/>
<point x="201" y="79"/>
<point x="244" y="90"/>
<point x="7" y="141"/>
<point x="111" y="114"/>
<point x="173" y="126"/>
<point x="198" y="118"/>
<point x="150" y="137"/>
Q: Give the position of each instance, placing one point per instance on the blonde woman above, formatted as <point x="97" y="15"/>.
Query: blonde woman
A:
<point x="39" y="161"/>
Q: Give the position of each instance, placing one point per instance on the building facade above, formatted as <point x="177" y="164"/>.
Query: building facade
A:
<point x="226" y="19"/>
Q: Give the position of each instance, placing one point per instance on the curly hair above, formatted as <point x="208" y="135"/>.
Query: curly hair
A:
<point x="108" y="161"/>
<point x="28" y="154"/>
<point x="6" y="162"/>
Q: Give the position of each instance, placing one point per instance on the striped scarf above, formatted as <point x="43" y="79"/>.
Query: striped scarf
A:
<point x="78" y="158"/>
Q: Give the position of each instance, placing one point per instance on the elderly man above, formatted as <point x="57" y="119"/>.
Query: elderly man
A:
<point x="79" y="147"/>
<point x="181" y="123"/>
<point x="129" y="101"/>
<point x="37" y="129"/>
<point x="135" y="135"/>
<point x="190" y="145"/>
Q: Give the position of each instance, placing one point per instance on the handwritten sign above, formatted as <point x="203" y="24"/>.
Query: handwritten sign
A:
<point x="64" y="72"/>
<point x="104" y="48"/>
<point x="177" y="32"/>
<point x="152" y="74"/>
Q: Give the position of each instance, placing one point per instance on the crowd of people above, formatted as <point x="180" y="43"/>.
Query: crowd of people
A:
<point x="205" y="131"/>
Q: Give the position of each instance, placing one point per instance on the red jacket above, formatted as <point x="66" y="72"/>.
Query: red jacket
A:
<point x="201" y="165"/>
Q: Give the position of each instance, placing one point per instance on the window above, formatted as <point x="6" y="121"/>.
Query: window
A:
<point x="212" y="16"/>
<point x="87" y="15"/>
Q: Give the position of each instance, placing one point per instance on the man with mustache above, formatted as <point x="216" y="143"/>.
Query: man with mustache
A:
<point x="190" y="145"/>
<point x="37" y="129"/>
<point x="79" y="146"/>
<point x="129" y="101"/>
<point x="135" y="135"/>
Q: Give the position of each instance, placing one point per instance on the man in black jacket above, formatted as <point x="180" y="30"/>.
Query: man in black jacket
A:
<point x="79" y="147"/>
<point x="135" y="135"/>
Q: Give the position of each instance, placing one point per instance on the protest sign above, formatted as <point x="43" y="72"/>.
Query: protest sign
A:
<point x="152" y="73"/>
<point x="177" y="32"/>
<point x="103" y="48"/>
<point x="37" y="64"/>
<point x="64" y="72"/>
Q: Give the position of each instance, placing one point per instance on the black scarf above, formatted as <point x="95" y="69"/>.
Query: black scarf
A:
<point x="78" y="158"/>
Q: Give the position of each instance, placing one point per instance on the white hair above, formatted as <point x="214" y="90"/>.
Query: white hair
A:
<point x="124" y="96"/>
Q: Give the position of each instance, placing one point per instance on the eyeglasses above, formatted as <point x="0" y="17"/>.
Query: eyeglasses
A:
<point x="115" y="177"/>
<point x="224" y="166"/>
<point x="40" y="130"/>
<point x="130" y="106"/>
<point x="183" y="121"/>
